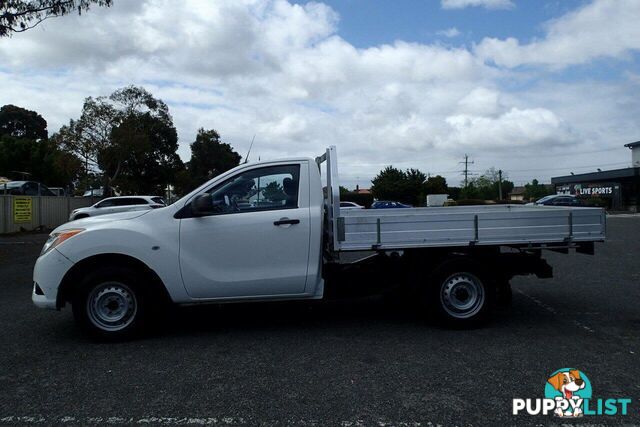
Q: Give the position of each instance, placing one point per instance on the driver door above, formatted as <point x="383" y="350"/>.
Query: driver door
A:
<point x="256" y="243"/>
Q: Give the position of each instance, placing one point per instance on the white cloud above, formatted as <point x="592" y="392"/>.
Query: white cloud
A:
<point x="513" y="129"/>
<point x="281" y="71"/>
<point x="449" y="32"/>
<point x="489" y="4"/>
<point x="482" y="102"/>
<point x="601" y="29"/>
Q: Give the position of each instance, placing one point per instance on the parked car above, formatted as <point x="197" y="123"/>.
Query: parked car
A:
<point x="558" y="200"/>
<point x="25" y="188"/>
<point x="385" y="204"/>
<point x="118" y="204"/>
<point x="58" y="191"/>
<point x="350" y="205"/>
<point x="94" y="192"/>
<point x="120" y="270"/>
<point x="98" y="192"/>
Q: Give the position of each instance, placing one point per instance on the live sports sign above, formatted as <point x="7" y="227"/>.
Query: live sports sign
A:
<point x="590" y="190"/>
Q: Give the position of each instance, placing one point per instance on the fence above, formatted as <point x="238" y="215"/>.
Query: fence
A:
<point x="26" y="213"/>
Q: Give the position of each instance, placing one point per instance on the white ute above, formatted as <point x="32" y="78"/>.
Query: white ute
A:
<point x="268" y="231"/>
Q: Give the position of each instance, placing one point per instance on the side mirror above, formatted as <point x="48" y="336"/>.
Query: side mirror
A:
<point x="202" y="205"/>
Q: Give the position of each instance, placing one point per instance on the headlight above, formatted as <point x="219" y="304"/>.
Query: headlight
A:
<point x="56" y="238"/>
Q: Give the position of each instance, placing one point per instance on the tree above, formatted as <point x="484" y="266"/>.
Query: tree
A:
<point x="436" y="185"/>
<point x="151" y="162"/>
<point x="22" y="123"/>
<point x="209" y="158"/>
<point x="24" y="146"/>
<point x="17" y="16"/>
<point x="394" y="184"/>
<point x="389" y="184"/>
<point x="535" y="190"/>
<point x="486" y="186"/>
<point x="274" y="192"/>
<point x="129" y="136"/>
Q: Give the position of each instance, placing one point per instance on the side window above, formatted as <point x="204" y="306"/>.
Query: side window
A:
<point x="31" y="189"/>
<point x="268" y="188"/>
<point x="105" y="203"/>
<point x="137" y="201"/>
<point x="46" y="191"/>
<point x="125" y="201"/>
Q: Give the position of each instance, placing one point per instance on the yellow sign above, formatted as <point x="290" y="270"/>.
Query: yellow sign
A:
<point x="22" y="209"/>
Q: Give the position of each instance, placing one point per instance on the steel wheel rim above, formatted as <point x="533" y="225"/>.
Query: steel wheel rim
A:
<point x="462" y="295"/>
<point x="112" y="306"/>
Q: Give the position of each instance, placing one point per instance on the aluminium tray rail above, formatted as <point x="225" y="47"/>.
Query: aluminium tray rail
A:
<point x="499" y="225"/>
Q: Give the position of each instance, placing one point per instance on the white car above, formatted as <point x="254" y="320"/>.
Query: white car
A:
<point x="118" y="204"/>
<point x="350" y="205"/>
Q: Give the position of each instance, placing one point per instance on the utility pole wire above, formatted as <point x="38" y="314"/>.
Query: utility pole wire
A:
<point x="466" y="170"/>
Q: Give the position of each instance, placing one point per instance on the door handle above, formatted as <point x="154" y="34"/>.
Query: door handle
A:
<point x="284" y="221"/>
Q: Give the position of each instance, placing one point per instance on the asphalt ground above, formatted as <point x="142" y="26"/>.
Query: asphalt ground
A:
<point x="344" y="363"/>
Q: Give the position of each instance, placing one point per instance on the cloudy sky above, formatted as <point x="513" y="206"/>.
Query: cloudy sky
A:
<point x="536" y="88"/>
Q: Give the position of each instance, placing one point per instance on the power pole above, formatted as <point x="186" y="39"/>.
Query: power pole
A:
<point x="466" y="170"/>
<point x="500" y="184"/>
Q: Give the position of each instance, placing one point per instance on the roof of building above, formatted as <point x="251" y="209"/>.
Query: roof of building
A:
<point x="597" y="176"/>
<point x="362" y="191"/>
<point x="633" y="144"/>
<point x="517" y="190"/>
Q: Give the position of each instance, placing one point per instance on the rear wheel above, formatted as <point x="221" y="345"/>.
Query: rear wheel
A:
<point x="461" y="294"/>
<point x="110" y="304"/>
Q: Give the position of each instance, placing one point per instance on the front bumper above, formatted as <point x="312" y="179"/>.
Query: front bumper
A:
<point x="47" y="276"/>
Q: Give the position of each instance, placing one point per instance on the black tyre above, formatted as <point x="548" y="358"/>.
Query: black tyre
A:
<point x="110" y="304"/>
<point x="460" y="293"/>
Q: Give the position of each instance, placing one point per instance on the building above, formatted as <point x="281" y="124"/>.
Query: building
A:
<point x="359" y="190"/>
<point x="517" y="194"/>
<point x="619" y="189"/>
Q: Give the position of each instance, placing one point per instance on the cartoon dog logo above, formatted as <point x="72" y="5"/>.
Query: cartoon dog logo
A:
<point x="567" y="383"/>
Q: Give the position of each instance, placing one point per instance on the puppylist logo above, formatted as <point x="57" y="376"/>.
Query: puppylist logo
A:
<point x="568" y="393"/>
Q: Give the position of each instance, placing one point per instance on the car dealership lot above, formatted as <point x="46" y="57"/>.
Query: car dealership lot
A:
<point x="349" y="362"/>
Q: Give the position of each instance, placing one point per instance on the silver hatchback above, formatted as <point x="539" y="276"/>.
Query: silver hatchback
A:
<point x="119" y="204"/>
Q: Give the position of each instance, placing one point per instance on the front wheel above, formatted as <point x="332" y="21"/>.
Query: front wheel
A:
<point x="109" y="305"/>
<point x="461" y="296"/>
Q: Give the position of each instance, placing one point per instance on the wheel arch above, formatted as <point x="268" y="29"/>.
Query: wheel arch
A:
<point x="72" y="279"/>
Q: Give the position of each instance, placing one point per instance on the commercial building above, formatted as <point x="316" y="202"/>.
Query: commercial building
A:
<point x="617" y="189"/>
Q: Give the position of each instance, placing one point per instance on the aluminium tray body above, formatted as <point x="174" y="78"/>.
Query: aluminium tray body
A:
<point x="366" y="229"/>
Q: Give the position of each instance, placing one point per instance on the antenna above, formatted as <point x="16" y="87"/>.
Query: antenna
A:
<point x="246" y="159"/>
